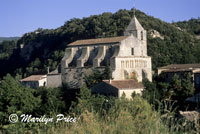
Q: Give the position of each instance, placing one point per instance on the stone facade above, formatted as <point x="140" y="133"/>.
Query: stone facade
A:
<point x="126" y="55"/>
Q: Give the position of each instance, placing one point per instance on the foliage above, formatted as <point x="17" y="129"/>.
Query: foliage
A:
<point x="52" y="101"/>
<point x="177" y="91"/>
<point x="151" y="92"/>
<point x="182" y="88"/>
<point x="15" y="98"/>
<point x="6" y="49"/>
<point x="97" y="76"/>
<point x="192" y="26"/>
<point x="95" y="114"/>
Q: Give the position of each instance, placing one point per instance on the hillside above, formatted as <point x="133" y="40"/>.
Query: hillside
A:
<point x="192" y="26"/>
<point x="8" y="38"/>
<point x="37" y="50"/>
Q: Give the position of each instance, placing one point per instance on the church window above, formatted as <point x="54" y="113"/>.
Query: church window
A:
<point x="132" y="51"/>
<point x="141" y="35"/>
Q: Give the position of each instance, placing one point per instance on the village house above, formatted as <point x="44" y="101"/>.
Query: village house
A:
<point x="116" y="88"/>
<point x="34" y="81"/>
<point x="180" y="70"/>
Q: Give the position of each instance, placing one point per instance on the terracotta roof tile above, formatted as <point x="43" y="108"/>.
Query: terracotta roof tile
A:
<point x="33" y="78"/>
<point x="98" y="41"/>
<point x="124" y="84"/>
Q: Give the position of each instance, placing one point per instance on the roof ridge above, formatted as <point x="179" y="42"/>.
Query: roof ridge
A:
<point x="98" y="41"/>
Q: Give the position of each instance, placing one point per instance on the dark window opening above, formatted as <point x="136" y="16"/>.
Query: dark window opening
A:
<point x="132" y="51"/>
<point x="141" y="35"/>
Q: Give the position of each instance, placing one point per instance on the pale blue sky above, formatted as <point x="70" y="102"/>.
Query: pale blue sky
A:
<point x="21" y="16"/>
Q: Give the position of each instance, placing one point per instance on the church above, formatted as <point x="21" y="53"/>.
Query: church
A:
<point x="125" y="55"/>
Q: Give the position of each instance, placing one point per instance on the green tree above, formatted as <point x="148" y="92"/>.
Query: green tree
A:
<point x="94" y="78"/>
<point x="188" y="87"/>
<point x="176" y="86"/>
<point x="151" y="93"/>
<point x="107" y="73"/>
<point x="15" y="98"/>
<point x="85" y="97"/>
<point x="52" y="100"/>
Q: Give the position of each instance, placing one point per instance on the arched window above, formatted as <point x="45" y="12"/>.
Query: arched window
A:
<point x="141" y="35"/>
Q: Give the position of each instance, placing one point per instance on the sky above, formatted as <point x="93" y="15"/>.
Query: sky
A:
<point x="21" y="16"/>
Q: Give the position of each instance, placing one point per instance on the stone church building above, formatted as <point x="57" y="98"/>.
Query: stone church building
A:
<point x="125" y="55"/>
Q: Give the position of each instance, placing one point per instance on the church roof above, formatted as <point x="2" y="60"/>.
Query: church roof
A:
<point x="134" y="25"/>
<point x="98" y="41"/>
<point x="181" y="66"/>
<point x="124" y="84"/>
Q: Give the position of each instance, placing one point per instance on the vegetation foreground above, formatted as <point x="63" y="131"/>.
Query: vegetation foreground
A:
<point x="94" y="114"/>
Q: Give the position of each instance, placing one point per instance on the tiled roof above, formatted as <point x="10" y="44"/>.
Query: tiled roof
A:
<point x="33" y="78"/>
<point x="124" y="84"/>
<point x="177" y="70"/>
<point x="98" y="41"/>
<point x="181" y="66"/>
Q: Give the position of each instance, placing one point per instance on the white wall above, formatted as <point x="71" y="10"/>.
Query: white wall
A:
<point x="128" y="92"/>
<point x="42" y="81"/>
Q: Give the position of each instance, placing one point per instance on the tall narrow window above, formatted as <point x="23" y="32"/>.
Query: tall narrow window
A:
<point x="132" y="51"/>
<point x="141" y="35"/>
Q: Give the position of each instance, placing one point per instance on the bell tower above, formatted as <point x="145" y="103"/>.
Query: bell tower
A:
<point x="134" y="28"/>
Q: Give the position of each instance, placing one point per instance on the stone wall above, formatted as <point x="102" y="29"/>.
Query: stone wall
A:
<point x="54" y="80"/>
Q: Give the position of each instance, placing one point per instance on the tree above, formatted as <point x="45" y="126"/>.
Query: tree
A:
<point x="188" y="87"/>
<point x="176" y="86"/>
<point x="151" y="93"/>
<point x="85" y="100"/>
<point x="107" y="73"/>
<point x="52" y="101"/>
<point x="182" y="88"/>
<point x="15" y="98"/>
<point x="94" y="78"/>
